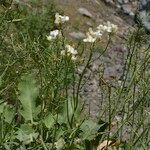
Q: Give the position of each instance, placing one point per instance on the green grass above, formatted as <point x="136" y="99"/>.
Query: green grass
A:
<point x="40" y="104"/>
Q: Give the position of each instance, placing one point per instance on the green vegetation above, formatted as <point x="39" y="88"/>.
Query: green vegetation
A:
<point x="40" y="104"/>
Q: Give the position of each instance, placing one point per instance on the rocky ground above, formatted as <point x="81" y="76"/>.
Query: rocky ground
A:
<point x="89" y="13"/>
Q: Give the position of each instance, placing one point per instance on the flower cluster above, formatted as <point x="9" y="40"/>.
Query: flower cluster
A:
<point x="91" y="35"/>
<point x="109" y="27"/>
<point x="53" y="35"/>
<point x="69" y="51"/>
<point x="60" y="19"/>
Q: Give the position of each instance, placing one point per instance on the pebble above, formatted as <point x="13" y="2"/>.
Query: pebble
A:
<point x="85" y="12"/>
<point x="77" y="35"/>
<point x="127" y="9"/>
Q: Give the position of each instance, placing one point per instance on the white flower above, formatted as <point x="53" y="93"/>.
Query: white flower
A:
<point x="114" y="28"/>
<point x="89" y="39"/>
<point x="59" y="145"/>
<point x="102" y="28"/>
<point x="91" y="36"/>
<point x="73" y="57"/>
<point x="111" y="27"/>
<point x="60" y="19"/>
<point x="63" y="52"/>
<point x="77" y="141"/>
<point x="71" y="50"/>
<point x="96" y="34"/>
<point x="53" y="35"/>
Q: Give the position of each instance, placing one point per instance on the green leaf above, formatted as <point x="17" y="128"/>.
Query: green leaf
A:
<point x="89" y="129"/>
<point x="70" y="111"/>
<point x="60" y="132"/>
<point x="9" y="145"/>
<point x="2" y="75"/>
<point x="49" y="121"/>
<point x="1" y="80"/>
<point x="70" y="107"/>
<point x="2" y="104"/>
<point x="28" y="94"/>
<point x="7" y="111"/>
<point x="26" y="134"/>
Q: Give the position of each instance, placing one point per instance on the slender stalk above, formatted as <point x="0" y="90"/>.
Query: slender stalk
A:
<point x="107" y="45"/>
<point x="109" y="111"/>
<point x="82" y="75"/>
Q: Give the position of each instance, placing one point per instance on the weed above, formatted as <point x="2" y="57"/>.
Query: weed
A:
<point x="40" y="103"/>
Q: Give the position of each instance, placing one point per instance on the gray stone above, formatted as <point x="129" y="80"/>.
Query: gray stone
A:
<point x="77" y="35"/>
<point x="89" y="24"/>
<point x="144" y="14"/>
<point x="85" y="12"/>
<point x="110" y="73"/>
<point x="127" y="9"/>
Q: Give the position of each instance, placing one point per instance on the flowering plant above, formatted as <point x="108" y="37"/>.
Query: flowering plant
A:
<point x="60" y="19"/>
<point x="92" y="36"/>
<point x="53" y="35"/>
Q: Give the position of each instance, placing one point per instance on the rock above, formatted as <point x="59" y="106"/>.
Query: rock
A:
<point x="127" y="9"/>
<point x="144" y="14"/>
<point x="85" y="12"/>
<point x="89" y="24"/>
<point x="77" y="35"/>
<point x="110" y="73"/>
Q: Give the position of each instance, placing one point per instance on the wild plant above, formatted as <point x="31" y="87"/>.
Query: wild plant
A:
<point x="40" y="103"/>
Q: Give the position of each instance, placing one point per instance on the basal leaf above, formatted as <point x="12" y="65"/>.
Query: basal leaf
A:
<point x="70" y="111"/>
<point x="49" y="121"/>
<point x="26" y="134"/>
<point x="28" y="94"/>
<point x="8" y="113"/>
<point x="0" y="80"/>
<point x="89" y="129"/>
<point x="2" y="104"/>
